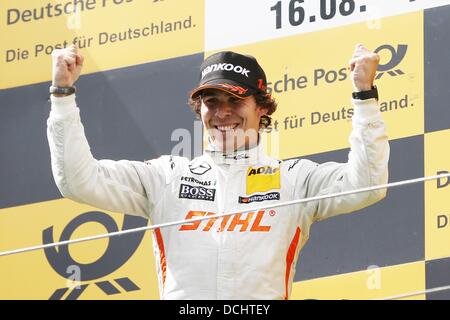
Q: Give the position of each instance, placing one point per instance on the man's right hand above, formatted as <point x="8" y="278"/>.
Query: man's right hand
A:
<point x="67" y="64"/>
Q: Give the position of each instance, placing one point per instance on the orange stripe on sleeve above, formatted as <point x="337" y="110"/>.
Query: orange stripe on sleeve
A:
<point x="289" y="259"/>
<point x="162" y="254"/>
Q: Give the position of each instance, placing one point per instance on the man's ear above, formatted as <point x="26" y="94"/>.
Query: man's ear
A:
<point x="262" y="111"/>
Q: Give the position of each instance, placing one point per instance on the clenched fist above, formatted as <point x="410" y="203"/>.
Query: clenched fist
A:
<point x="363" y="66"/>
<point x="67" y="64"/>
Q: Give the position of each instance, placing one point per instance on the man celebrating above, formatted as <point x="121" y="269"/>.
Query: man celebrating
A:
<point x="248" y="255"/>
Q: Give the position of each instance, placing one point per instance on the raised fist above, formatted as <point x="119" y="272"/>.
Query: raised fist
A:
<point x="67" y="64"/>
<point x="363" y="66"/>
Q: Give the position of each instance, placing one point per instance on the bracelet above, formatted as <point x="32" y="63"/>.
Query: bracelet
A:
<point x="62" y="90"/>
<point x="368" y="94"/>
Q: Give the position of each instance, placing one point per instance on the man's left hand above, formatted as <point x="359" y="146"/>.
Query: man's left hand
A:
<point x="363" y="66"/>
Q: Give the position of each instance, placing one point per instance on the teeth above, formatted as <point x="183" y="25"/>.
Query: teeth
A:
<point x="227" y="128"/>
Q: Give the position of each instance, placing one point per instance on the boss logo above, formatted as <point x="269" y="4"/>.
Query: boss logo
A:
<point x="196" y="193"/>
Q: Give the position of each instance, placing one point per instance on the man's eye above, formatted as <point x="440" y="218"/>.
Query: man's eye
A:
<point x="234" y="100"/>
<point x="210" y="102"/>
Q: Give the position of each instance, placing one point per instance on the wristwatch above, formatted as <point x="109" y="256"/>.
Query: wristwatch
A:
<point x="368" y="94"/>
<point x="63" y="90"/>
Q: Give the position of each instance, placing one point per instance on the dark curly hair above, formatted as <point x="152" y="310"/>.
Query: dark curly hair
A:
<point x="264" y="100"/>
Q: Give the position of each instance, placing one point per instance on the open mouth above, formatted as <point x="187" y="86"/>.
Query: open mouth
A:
<point x="226" y="128"/>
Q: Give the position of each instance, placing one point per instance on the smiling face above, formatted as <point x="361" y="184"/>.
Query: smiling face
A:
<point x="232" y="123"/>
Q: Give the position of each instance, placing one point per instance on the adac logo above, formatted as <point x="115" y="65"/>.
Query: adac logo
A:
<point x="228" y="223"/>
<point x="262" y="170"/>
<point x="118" y="252"/>
<point x="262" y="179"/>
<point x="397" y="56"/>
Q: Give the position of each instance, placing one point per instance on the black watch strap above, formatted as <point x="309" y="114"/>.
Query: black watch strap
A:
<point x="63" y="90"/>
<point x="368" y="94"/>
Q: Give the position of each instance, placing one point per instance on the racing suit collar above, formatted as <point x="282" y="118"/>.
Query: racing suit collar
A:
<point x="253" y="155"/>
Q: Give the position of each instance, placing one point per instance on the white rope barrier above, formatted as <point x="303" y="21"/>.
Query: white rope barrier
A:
<point x="254" y="209"/>
<point x="416" y="293"/>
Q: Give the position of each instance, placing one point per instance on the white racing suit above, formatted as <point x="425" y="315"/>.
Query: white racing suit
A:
<point x="246" y="256"/>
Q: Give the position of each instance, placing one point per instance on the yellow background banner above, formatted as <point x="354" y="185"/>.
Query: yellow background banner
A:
<point x="31" y="276"/>
<point x="437" y="196"/>
<point x="111" y="34"/>
<point x="310" y="73"/>
<point x="373" y="283"/>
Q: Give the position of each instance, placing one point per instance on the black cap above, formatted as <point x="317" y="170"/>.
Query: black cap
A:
<point x="237" y="74"/>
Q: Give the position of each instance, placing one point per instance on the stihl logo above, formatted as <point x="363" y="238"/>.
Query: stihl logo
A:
<point x="242" y="220"/>
<point x="226" y="67"/>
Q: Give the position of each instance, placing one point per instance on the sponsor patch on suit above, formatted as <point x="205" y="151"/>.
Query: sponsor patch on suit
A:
<point x="196" y="193"/>
<point x="262" y="179"/>
<point x="260" y="197"/>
